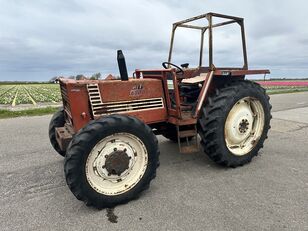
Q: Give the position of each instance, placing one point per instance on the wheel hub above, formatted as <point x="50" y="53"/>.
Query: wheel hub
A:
<point x="117" y="162"/>
<point x="243" y="126"/>
<point x="239" y="122"/>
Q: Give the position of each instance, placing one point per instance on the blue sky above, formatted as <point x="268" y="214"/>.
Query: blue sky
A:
<point x="42" y="39"/>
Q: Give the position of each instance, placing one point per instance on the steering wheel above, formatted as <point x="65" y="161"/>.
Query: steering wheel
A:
<point x="178" y="69"/>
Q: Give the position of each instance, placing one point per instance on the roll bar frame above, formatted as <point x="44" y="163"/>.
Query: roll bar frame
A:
<point x="209" y="16"/>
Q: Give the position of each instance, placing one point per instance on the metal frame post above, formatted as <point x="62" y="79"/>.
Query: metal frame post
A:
<point x="171" y="42"/>
<point x="201" y="47"/>
<point x="241" y="23"/>
<point x="209" y="18"/>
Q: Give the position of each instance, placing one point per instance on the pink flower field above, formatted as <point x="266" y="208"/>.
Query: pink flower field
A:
<point x="284" y="86"/>
<point x="284" y="83"/>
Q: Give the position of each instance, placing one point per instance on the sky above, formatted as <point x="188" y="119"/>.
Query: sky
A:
<point x="40" y="39"/>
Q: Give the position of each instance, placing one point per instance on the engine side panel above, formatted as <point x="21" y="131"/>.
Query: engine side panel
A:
<point x="142" y="98"/>
<point x="76" y="104"/>
<point x="85" y="100"/>
<point x="133" y="89"/>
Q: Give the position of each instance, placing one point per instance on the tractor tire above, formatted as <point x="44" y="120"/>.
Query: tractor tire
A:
<point x="111" y="161"/>
<point x="234" y="123"/>
<point x="56" y="121"/>
<point x="171" y="134"/>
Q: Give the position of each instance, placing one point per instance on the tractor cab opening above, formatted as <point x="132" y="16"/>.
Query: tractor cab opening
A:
<point x="187" y="87"/>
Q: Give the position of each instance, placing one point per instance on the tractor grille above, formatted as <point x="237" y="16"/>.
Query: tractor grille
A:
<point x="66" y="103"/>
<point x="99" y="108"/>
<point x="94" y="97"/>
<point x="126" y="106"/>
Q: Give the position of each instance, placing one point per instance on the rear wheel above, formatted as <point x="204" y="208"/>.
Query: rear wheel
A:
<point x="234" y="123"/>
<point x="57" y="120"/>
<point x="111" y="161"/>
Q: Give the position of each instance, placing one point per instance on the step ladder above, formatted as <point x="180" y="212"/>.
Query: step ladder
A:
<point x="189" y="146"/>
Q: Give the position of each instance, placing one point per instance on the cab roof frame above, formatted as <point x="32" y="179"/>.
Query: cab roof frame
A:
<point x="209" y="16"/>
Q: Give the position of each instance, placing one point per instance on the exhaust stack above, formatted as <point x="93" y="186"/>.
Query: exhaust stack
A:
<point x="122" y="65"/>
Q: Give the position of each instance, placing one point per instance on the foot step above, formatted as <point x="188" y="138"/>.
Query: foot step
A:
<point x="187" y="133"/>
<point x="189" y="149"/>
<point x="191" y="136"/>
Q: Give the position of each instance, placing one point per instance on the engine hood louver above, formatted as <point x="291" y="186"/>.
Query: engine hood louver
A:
<point x="99" y="108"/>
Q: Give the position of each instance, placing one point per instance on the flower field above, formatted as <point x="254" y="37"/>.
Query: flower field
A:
<point x="274" y="87"/>
<point x="29" y="94"/>
<point x="284" y="83"/>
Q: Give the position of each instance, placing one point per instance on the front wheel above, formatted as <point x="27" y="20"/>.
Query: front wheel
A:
<point x="234" y="123"/>
<point x="57" y="120"/>
<point x="111" y="161"/>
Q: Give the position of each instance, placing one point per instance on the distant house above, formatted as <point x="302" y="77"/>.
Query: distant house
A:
<point x="110" y="76"/>
<point x="55" y="79"/>
<point x="81" y="77"/>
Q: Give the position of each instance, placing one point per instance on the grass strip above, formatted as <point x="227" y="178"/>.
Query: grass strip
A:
<point x="285" y="91"/>
<point x="27" y="112"/>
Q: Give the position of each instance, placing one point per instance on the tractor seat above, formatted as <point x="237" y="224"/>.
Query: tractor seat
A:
<point x="196" y="79"/>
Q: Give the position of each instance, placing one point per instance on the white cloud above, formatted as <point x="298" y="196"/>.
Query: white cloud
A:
<point x="39" y="39"/>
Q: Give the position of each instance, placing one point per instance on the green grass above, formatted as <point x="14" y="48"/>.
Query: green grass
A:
<point x="28" y="112"/>
<point x="285" y="91"/>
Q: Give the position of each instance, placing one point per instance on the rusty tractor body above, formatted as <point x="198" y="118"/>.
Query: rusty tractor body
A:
<point x="230" y="116"/>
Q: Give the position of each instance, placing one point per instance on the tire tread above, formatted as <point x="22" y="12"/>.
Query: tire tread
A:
<point x="211" y="119"/>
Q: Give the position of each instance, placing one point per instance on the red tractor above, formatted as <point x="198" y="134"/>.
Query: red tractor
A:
<point x="107" y="128"/>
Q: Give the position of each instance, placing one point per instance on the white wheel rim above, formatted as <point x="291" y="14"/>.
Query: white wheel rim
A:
<point x="98" y="174"/>
<point x="244" y="126"/>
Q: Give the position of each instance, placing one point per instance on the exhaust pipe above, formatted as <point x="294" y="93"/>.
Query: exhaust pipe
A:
<point x="122" y="66"/>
